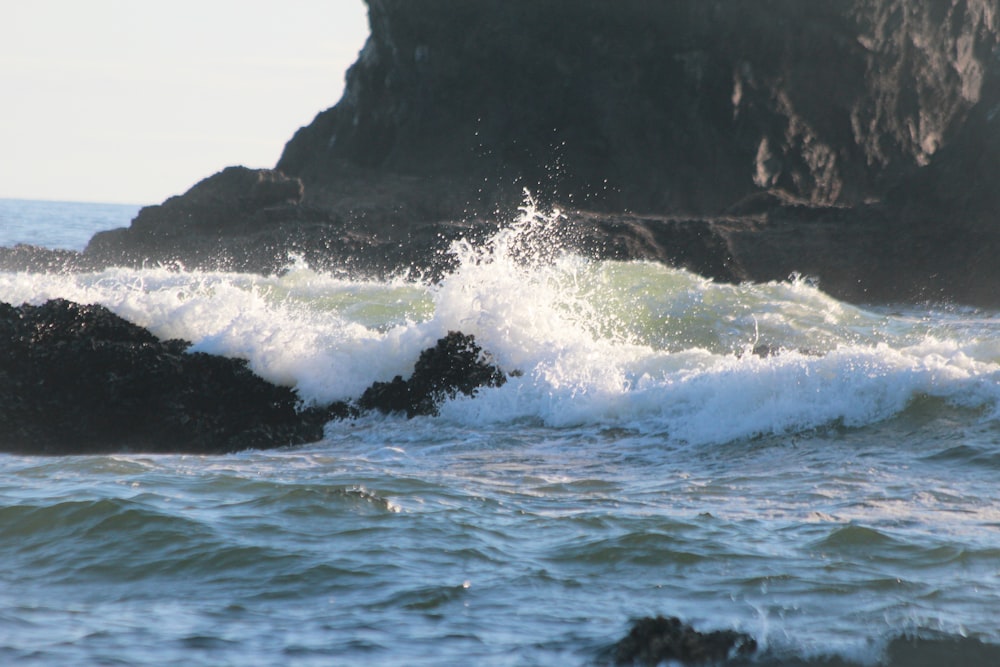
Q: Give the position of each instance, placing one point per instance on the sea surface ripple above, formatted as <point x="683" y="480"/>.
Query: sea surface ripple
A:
<point x="761" y="458"/>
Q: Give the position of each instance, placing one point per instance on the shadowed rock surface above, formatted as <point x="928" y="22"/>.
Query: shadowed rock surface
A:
<point x="854" y="141"/>
<point x="456" y="364"/>
<point x="660" y="640"/>
<point x="669" y="641"/>
<point x="78" y="379"/>
<point x="940" y="651"/>
<point x="684" y="107"/>
<point x="24" y="257"/>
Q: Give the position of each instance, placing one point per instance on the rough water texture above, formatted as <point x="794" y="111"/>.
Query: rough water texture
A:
<point x="761" y="461"/>
<point x="851" y="141"/>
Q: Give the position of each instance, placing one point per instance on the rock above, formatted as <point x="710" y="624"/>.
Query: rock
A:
<point x="659" y="640"/>
<point x="685" y="107"/>
<point x="855" y="142"/>
<point x="237" y="219"/>
<point x="941" y="650"/>
<point x="77" y="379"/>
<point x="456" y="364"/>
<point x="669" y="641"/>
<point x="24" y="257"/>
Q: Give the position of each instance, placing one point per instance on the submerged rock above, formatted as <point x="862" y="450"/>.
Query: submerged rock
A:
<point x="456" y="364"/>
<point x="78" y="379"/>
<point x="659" y="640"/>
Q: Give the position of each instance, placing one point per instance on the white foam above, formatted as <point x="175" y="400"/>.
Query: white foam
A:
<point x="632" y="344"/>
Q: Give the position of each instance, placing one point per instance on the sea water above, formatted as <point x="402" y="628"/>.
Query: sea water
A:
<point x="58" y="224"/>
<point x="759" y="457"/>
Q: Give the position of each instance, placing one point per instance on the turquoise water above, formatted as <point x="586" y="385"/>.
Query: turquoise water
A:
<point x="829" y="498"/>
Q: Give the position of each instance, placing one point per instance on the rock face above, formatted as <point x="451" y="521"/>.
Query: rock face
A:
<point x="683" y="107"/>
<point x="80" y="380"/>
<point x="236" y="219"/>
<point x="456" y="364"/>
<point x="660" y="640"/>
<point x="856" y="141"/>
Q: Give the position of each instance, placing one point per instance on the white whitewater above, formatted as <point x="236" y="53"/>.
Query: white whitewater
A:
<point x="755" y="457"/>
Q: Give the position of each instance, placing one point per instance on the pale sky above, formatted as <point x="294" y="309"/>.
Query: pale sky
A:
<point x="133" y="101"/>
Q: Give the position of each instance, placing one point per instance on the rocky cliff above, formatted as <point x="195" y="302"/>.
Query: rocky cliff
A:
<point x="853" y="140"/>
<point x="681" y="107"/>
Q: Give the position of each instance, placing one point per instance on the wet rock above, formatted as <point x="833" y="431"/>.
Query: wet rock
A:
<point x="24" y="257"/>
<point x="659" y="640"/>
<point x="855" y="142"/>
<point x="77" y="379"/>
<point x="456" y="364"/>
<point x="935" y="651"/>
<point x="238" y="219"/>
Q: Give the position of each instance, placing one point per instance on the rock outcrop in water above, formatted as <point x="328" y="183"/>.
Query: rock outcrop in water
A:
<point x="855" y="141"/>
<point x="455" y="365"/>
<point x="661" y="640"/>
<point x="239" y="218"/>
<point x="670" y="641"/>
<point x="78" y="379"/>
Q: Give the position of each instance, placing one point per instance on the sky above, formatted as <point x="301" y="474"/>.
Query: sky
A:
<point x="133" y="101"/>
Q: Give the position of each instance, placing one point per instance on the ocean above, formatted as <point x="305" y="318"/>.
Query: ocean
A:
<point x="760" y="457"/>
<point x="59" y="224"/>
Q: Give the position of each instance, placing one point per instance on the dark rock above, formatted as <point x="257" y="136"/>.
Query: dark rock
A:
<point x="24" y="257"/>
<point x="654" y="641"/>
<point x="456" y="364"/>
<point x="854" y="141"/>
<point x="236" y="219"/>
<point x="78" y="379"/>
<point x="685" y="107"/>
<point x="669" y="641"/>
<point x="940" y="650"/>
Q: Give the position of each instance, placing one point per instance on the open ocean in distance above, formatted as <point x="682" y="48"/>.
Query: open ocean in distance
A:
<point x="837" y="499"/>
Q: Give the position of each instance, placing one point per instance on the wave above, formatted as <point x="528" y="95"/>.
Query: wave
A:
<point x="613" y="344"/>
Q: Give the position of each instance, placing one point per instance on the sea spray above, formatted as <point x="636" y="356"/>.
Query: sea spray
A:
<point x="758" y="458"/>
<point x="633" y="345"/>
